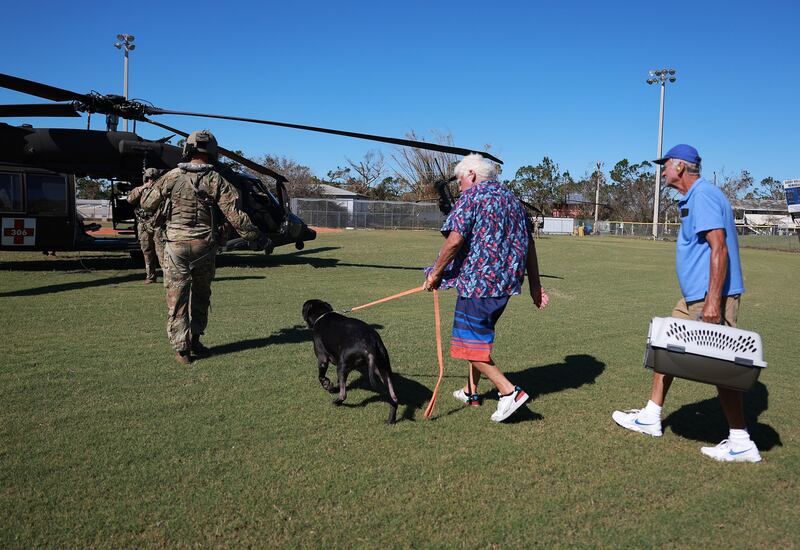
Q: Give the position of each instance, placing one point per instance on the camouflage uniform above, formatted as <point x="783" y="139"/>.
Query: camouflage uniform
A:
<point x="194" y="191"/>
<point x="151" y="239"/>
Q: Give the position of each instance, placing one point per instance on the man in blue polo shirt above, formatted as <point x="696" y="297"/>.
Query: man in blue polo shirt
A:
<point x="710" y="277"/>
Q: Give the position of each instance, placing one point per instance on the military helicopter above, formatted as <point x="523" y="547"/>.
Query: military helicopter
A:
<point x="38" y="167"/>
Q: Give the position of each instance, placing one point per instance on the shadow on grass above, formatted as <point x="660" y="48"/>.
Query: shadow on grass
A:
<point x="277" y="259"/>
<point x="411" y="395"/>
<point x="80" y="264"/>
<point x="106" y="262"/>
<point x="115" y="280"/>
<point x="301" y="257"/>
<point x="242" y="278"/>
<point x="574" y="372"/>
<point x="704" y="421"/>
<point x="296" y="334"/>
<point x="291" y="335"/>
<point x="75" y="285"/>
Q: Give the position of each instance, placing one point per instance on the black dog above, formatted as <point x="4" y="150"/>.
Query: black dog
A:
<point x="349" y="344"/>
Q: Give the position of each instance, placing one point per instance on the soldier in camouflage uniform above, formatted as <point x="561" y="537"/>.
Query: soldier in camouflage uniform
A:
<point x="190" y="198"/>
<point x="151" y="239"/>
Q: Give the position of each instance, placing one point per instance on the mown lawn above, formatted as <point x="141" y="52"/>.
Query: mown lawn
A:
<point x="106" y="441"/>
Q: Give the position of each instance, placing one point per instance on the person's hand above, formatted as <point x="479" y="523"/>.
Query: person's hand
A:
<point x="432" y="282"/>
<point x="711" y="312"/>
<point x="540" y="297"/>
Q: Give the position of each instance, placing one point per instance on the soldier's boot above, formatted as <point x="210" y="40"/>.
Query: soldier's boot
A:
<point x="150" y="281"/>
<point x="183" y="357"/>
<point x="198" y="349"/>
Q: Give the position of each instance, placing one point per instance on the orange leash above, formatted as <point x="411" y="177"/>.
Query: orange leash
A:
<point x="432" y="404"/>
<point x="437" y="317"/>
<point x="392" y="297"/>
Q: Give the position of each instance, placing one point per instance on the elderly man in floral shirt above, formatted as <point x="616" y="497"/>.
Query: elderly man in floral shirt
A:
<point x="487" y="251"/>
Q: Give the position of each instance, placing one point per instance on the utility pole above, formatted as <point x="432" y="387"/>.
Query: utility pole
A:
<point x="125" y="43"/>
<point x="598" y="174"/>
<point x="660" y="76"/>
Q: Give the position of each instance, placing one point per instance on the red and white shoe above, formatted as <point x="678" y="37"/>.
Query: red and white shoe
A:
<point x="508" y="404"/>
<point x="473" y="400"/>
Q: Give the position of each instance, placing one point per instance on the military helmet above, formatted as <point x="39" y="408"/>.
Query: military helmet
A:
<point x="151" y="174"/>
<point x="201" y="141"/>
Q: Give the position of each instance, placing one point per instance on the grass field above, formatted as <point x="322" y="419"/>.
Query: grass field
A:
<point x="105" y="441"/>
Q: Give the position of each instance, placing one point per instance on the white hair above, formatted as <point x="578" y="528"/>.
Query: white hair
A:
<point x="691" y="168"/>
<point x="483" y="167"/>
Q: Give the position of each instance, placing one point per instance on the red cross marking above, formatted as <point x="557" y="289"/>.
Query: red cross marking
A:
<point x="19" y="232"/>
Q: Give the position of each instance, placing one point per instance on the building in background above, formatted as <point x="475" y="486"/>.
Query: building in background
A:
<point x="762" y="215"/>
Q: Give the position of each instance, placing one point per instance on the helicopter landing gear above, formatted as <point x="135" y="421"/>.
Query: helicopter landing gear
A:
<point x="300" y="245"/>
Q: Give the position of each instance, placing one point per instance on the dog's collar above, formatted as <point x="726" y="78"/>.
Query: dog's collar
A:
<point x="320" y="317"/>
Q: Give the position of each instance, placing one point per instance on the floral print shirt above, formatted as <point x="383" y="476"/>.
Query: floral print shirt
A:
<point x="492" y="261"/>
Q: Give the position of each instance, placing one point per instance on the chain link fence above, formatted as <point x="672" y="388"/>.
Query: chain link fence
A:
<point x="755" y="236"/>
<point x="358" y="214"/>
<point x="363" y="214"/>
<point x="93" y="209"/>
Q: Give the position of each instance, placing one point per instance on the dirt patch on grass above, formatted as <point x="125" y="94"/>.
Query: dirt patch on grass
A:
<point x="325" y="229"/>
<point x="109" y="231"/>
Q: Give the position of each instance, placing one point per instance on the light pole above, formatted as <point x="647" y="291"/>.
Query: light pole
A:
<point x="660" y="76"/>
<point x="125" y="42"/>
<point x="598" y="174"/>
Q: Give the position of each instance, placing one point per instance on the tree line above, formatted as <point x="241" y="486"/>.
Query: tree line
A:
<point x="625" y="192"/>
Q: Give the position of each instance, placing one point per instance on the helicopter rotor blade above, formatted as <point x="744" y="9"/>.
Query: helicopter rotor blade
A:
<point x="255" y="167"/>
<point x="371" y="137"/>
<point x="40" y="90"/>
<point x="39" y="109"/>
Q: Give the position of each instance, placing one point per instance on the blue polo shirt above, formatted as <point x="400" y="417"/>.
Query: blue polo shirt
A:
<point x="702" y="209"/>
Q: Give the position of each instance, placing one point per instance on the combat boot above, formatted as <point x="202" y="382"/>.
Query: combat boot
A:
<point x="183" y="357"/>
<point x="198" y="349"/>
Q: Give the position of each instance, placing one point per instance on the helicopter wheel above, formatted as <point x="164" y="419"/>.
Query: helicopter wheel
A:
<point x="300" y="245"/>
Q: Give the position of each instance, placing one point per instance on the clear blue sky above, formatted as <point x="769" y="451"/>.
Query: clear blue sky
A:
<point x="566" y="80"/>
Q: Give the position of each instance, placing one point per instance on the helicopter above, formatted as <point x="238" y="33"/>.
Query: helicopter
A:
<point x="38" y="167"/>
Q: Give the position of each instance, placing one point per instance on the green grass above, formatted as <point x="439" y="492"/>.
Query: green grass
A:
<point x="106" y="441"/>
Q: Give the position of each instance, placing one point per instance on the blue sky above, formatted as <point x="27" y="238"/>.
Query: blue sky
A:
<point x="566" y="80"/>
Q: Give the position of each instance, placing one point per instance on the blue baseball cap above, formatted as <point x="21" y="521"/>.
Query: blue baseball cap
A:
<point x="681" y="152"/>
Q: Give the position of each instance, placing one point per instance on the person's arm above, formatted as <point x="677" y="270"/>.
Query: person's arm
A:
<point x="540" y="297"/>
<point x="135" y="194"/>
<point x="228" y="201"/>
<point x="712" y="310"/>
<point x="449" y="250"/>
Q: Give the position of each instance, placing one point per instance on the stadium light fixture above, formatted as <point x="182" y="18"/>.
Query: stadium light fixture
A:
<point x="125" y="43"/>
<point x="660" y="76"/>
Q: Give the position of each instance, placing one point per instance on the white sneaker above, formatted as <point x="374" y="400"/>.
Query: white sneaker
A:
<point x="631" y="420"/>
<point x="724" y="453"/>
<point x="462" y="396"/>
<point x="509" y="403"/>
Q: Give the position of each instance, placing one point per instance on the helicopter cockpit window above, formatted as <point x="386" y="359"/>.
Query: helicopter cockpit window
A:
<point x="10" y="192"/>
<point x="47" y="194"/>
